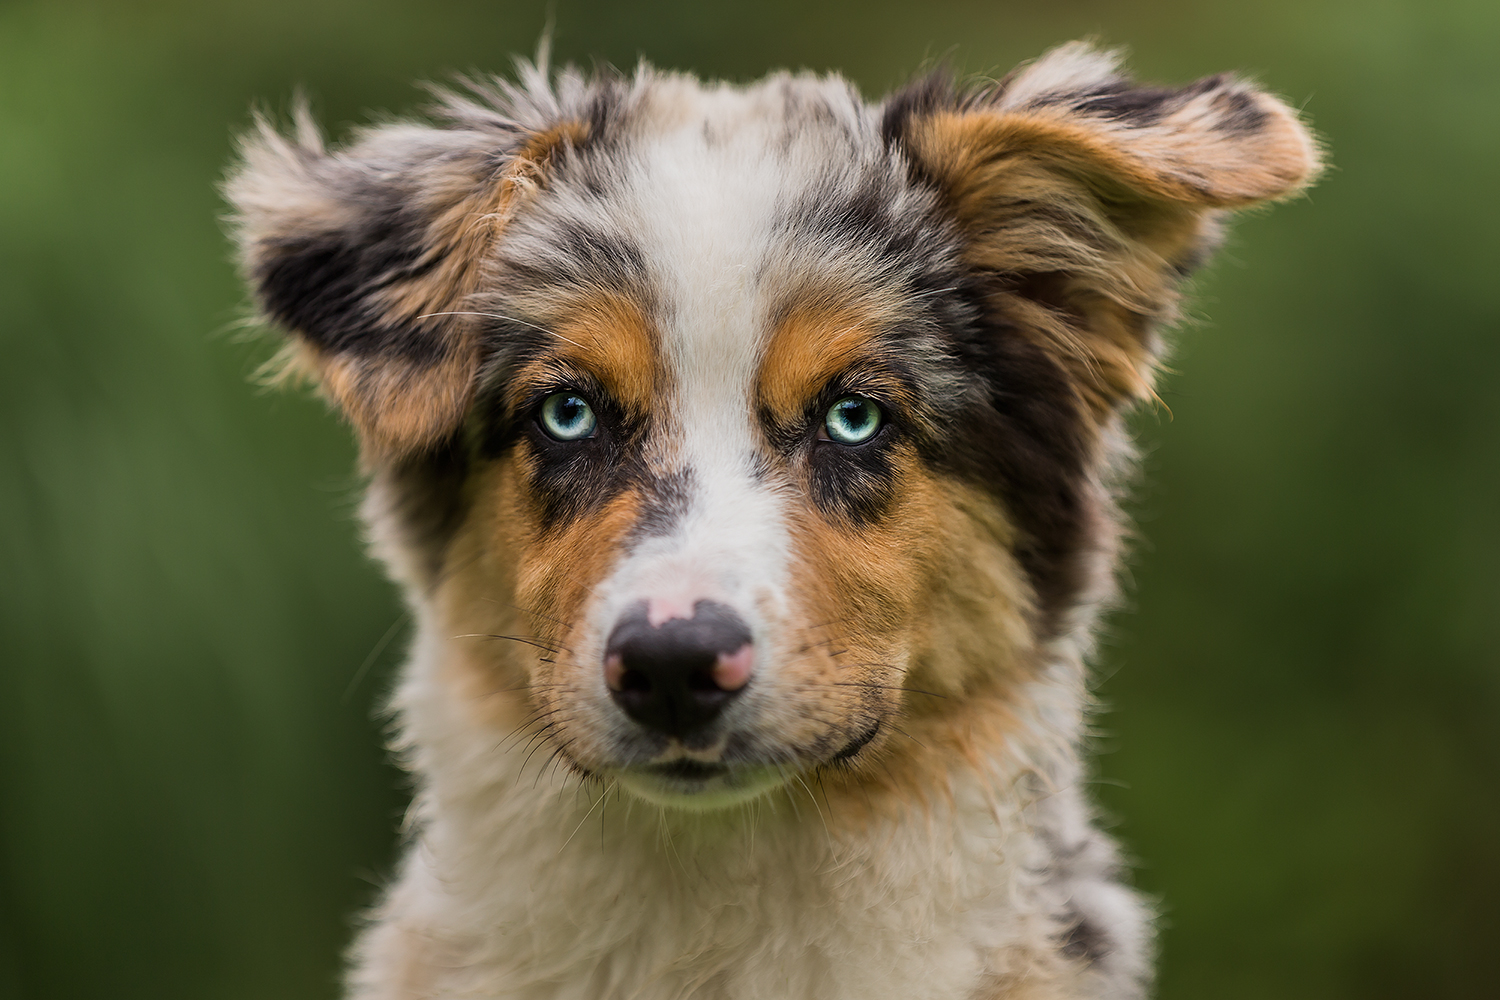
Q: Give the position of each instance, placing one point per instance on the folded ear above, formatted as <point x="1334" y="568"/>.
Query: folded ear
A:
<point x="367" y="256"/>
<point x="1087" y="197"/>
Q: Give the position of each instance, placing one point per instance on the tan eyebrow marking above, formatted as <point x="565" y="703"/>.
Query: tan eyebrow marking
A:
<point x="611" y="337"/>
<point x="809" y="347"/>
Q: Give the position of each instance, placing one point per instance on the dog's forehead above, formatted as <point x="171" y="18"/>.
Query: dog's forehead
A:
<point x="726" y="215"/>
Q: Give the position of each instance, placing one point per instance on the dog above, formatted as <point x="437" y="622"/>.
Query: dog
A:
<point x="749" y="457"/>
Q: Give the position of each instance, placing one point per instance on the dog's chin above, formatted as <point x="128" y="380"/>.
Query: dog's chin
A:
<point x="700" y="787"/>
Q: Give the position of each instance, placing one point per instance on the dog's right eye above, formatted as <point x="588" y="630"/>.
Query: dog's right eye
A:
<point x="852" y="420"/>
<point x="567" y="416"/>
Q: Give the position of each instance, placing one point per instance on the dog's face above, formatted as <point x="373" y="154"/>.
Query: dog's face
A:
<point x="726" y="470"/>
<point x="733" y="434"/>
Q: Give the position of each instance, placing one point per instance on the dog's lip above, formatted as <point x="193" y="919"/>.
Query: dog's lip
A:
<point x="690" y="769"/>
<point x="858" y="743"/>
<point x="687" y="769"/>
<point x="699" y="785"/>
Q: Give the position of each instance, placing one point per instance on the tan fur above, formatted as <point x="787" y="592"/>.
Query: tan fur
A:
<point x="932" y="587"/>
<point x="813" y="344"/>
<point x="399" y="405"/>
<point x="528" y="585"/>
<point x="476" y="600"/>
<point x="607" y="336"/>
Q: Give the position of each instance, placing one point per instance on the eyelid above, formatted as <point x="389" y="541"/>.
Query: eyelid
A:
<point x="882" y="396"/>
<point x="870" y="379"/>
<point x="537" y="390"/>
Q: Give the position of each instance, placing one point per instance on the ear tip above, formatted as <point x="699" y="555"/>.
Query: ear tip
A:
<point x="1232" y="145"/>
<point x="268" y="166"/>
<point x="1293" y="155"/>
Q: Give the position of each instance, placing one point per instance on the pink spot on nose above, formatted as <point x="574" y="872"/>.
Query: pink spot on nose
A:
<point x="732" y="670"/>
<point x="660" y="610"/>
<point x="614" y="672"/>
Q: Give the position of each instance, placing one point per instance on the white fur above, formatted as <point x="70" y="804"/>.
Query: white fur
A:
<point x="526" y="884"/>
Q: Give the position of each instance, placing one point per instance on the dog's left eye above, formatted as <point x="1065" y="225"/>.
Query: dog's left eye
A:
<point x="852" y="420"/>
<point x="567" y="416"/>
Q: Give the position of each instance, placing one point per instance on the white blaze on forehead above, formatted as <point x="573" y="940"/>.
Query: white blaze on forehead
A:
<point x="705" y="192"/>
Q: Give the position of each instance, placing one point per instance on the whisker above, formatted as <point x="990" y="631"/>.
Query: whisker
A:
<point x="532" y="720"/>
<point x="521" y="687"/>
<point x="597" y="803"/>
<point x="541" y="644"/>
<point x="934" y="291"/>
<point x="814" y="799"/>
<point x="538" y="740"/>
<point x="534" y="614"/>
<point x="909" y="736"/>
<point x="551" y="760"/>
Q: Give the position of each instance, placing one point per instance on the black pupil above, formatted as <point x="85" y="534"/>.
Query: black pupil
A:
<point x="855" y="415"/>
<point x="568" y="411"/>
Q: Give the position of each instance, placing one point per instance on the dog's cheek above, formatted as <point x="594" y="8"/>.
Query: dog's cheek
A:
<point x="560" y="569"/>
<point x="856" y="599"/>
<point x="477" y="600"/>
<point x="975" y="627"/>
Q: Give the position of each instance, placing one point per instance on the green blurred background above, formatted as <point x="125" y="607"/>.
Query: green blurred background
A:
<point x="1303" y="745"/>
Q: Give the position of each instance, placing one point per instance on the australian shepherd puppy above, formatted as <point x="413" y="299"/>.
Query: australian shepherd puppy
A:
<point x="749" y="457"/>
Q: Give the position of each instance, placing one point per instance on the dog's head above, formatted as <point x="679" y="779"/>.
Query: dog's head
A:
<point x="728" y="433"/>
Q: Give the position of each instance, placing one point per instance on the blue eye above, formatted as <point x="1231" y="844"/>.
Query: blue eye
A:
<point x="853" y="420"/>
<point x="567" y="416"/>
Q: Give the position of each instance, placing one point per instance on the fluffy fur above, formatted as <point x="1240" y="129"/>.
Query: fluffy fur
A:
<point x="891" y="804"/>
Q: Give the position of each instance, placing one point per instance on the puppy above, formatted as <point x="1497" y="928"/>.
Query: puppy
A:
<point x="748" y="456"/>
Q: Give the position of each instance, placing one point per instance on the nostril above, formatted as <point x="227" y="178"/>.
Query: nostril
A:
<point x="635" y="681"/>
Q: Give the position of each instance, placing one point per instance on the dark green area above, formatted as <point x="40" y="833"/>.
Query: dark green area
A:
<point x="1303" y="747"/>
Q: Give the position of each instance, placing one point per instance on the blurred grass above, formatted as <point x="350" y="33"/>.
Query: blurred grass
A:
<point x="1305" y="696"/>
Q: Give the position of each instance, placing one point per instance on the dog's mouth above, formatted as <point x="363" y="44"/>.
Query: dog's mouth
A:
<point x="696" y="784"/>
<point x="689" y="770"/>
<point x="701" y="785"/>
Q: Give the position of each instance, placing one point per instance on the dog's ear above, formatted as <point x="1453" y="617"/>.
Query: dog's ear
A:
<point x="368" y="255"/>
<point x="1087" y="198"/>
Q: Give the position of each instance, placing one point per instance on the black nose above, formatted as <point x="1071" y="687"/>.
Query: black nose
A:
<point x="677" y="677"/>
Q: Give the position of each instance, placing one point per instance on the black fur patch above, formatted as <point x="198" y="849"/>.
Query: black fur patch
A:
<point x="1137" y="107"/>
<point x="320" y="286"/>
<point x="1025" y="443"/>
<point x="426" y="496"/>
<point x="864" y="220"/>
<point x="924" y="96"/>
<point x="854" y="483"/>
<point x="572" y="479"/>
<point x="1241" y="114"/>
<point x="584" y="258"/>
<point x="1083" y="940"/>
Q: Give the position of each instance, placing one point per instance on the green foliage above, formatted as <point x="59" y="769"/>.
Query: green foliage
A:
<point x="1304" y="699"/>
